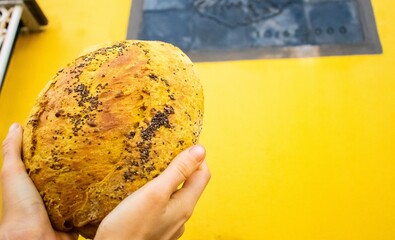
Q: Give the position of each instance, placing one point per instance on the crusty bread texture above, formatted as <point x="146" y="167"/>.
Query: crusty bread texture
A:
<point x="106" y="124"/>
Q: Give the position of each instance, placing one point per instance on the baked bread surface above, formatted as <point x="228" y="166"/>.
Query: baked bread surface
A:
<point x="108" y="123"/>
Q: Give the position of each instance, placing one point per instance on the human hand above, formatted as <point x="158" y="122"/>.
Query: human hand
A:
<point x="159" y="210"/>
<point x="23" y="214"/>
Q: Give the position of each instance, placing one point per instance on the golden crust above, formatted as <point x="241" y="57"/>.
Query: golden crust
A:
<point x="106" y="124"/>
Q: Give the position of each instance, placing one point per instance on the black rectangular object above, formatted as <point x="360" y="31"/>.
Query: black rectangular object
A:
<point x="238" y="29"/>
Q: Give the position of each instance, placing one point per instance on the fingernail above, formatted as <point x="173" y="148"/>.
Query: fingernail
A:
<point x="14" y="127"/>
<point x="198" y="151"/>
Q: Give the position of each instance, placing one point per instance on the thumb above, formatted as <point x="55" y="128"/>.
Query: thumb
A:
<point x="19" y="193"/>
<point x="180" y="169"/>
<point x="12" y="162"/>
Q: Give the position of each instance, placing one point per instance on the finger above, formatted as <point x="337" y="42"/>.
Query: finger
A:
<point x="180" y="169"/>
<point x="12" y="162"/>
<point x="179" y="233"/>
<point x="191" y="191"/>
<point x="195" y="185"/>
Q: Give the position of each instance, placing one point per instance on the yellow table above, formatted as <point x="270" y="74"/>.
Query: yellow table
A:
<point x="298" y="148"/>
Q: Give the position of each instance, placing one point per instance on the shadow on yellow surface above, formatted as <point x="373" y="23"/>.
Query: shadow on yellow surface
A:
<point x="298" y="148"/>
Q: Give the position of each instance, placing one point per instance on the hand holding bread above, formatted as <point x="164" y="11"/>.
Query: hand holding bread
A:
<point x="107" y="124"/>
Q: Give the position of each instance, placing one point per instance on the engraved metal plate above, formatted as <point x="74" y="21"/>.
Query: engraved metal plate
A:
<point x="212" y="30"/>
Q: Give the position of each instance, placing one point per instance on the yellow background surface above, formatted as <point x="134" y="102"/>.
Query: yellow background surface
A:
<point x="298" y="148"/>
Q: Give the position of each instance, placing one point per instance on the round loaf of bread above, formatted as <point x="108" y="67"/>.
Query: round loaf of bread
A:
<point x="108" y="123"/>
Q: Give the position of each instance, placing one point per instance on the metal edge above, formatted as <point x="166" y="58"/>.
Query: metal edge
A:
<point x="135" y="19"/>
<point x="370" y="25"/>
<point x="36" y="11"/>
<point x="11" y="2"/>
<point x="33" y="17"/>
<point x="9" y="42"/>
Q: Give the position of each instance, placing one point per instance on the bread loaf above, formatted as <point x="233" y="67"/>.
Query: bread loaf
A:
<point x="106" y="124"/>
